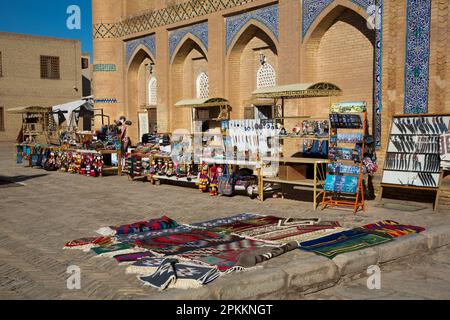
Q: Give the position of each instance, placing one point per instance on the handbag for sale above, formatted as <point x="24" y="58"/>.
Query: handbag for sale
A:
<point x="225" y="183"/>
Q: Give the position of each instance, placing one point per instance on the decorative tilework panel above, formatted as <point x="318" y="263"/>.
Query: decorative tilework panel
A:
<point x="148" y="42"/>
<point x="417" y="56"/>
<point x="200" y="31"/>
<point x="106" y="100"/>
<point x="268" y="16"/>
<point x="378" y="68"/>
<point x="311" y="9"/>
<point x="105" y="68"/>
<point x="164" y="16"/>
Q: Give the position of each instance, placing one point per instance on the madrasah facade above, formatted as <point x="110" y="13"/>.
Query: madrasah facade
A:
<point x="151" y="54"/>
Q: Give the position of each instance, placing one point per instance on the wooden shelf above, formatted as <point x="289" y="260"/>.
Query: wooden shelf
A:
<point x="230" y="162"/>
<point x="296" y="160"/>
<point x="156" y="177"/>
<point x="305" y="182"/>
<point x="303" y="137"/>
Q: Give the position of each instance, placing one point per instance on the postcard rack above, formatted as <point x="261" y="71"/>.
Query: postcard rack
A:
<point x="344" y="185"/>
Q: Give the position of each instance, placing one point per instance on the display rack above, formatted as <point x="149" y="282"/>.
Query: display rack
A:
<point x="344" y="180"/>
<point x="296" y="91"/>
<point x="413" y="154"/>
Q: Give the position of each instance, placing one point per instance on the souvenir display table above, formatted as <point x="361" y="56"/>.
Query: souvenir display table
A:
<point x="313" y="131"/>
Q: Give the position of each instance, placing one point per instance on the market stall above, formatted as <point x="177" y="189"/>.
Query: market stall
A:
<point x="314" y="132"/>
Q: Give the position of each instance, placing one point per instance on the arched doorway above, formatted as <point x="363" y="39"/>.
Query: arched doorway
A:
<point x="189" y="66"/>
<point x="141" y="78"/>
<point x="252" y="62"/>
<point x="341" y="50"/>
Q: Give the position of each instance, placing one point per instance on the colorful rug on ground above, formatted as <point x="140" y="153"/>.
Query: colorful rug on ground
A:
<point x="175" y="274"/>
<point x="391" y="229"/>
<point x="283" y="234"/>
<point x="342" y="242"/>
<point x="164" y="254"/>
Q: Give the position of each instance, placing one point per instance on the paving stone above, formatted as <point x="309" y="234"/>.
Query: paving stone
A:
<point x="311" y="273"/>
<point x="438" y="236"/>
<point x="401" y="247"/>
<point x="356" y="262"/>
<point x="249" y="284"/>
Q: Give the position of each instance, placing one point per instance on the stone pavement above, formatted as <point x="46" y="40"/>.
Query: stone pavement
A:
<point x="43" y="210"/>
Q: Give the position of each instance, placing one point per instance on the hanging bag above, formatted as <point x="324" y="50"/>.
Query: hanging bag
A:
<point x="225" y="183"/>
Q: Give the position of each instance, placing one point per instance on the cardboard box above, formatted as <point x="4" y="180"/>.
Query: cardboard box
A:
<point x="292" y="172"/>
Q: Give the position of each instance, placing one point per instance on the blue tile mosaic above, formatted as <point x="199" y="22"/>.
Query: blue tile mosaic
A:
<point x="417" y="59"/>
<point x="102" y="67"/>
<point x="268" y="16"/>
<point x="200" y="31"/>
<point x="148" y="42"/>
<point x="106" y="100"/>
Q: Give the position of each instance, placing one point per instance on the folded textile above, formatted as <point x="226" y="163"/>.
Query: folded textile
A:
<point x="298" y="221"/>
<point x="87" y="243"/>
<point x="223" y="221"/>
<point x="130" y="257"/>
<point x="239" y="227"/>
<point x="168" y="248"/>
<point x="112" y="250"/>
<point x="251" y="259"/>
<point x="190" y="275"/>
<point x="225" y="256"/>
<point x="131" y="238"/>
<point x="163" y="276"/>
<point x="174" y="242"/>
<point x="391" y="228"/>
<point x="145" y="266"/>
<point x="284" y="234"/>
<point x="172" y="273"/>
<point x="342" y="242"/>
<point x="143" y="226"/>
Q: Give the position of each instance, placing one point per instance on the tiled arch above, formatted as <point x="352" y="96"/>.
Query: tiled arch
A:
<point x="131" y="46"/>
<point x="199" y="31"/>
<point x="268" y="16"/>
<point x="311" y="10"/>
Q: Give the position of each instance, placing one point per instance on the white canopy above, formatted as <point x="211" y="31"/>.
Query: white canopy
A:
<point x="69" y="108"/>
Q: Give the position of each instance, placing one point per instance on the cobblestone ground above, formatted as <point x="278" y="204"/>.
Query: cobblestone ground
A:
<point x="42" y="210"/>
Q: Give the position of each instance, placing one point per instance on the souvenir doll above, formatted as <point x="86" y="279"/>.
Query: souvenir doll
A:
<point x="82" y="169"/>
<point x="169" y="170"/>
<point x="203" y="179"/>
<point x="220" y="171"/>
<point x="97" y="166"/>
<point x="153" y="167"/>
<point x="50" y="164"/>
<point x="89" y="161"/>
<point x="145" y="166"/>
<point x="159" y="167"/>
<point x="70" y="163"/>
<point x="213" y="181"/>
<point x="180" y="173"/>
<point x="62" y="161"/>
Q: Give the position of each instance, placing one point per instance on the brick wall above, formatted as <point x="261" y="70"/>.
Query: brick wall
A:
<point x="21" y="84"/>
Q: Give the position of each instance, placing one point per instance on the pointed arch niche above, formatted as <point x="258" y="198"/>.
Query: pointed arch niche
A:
<point x="138" y="83"/>
<point x="251" y="44"/>
<point x="189" y="61"/>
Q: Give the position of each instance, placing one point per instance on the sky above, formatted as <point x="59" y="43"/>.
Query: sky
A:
<point x="47" y="18"/>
